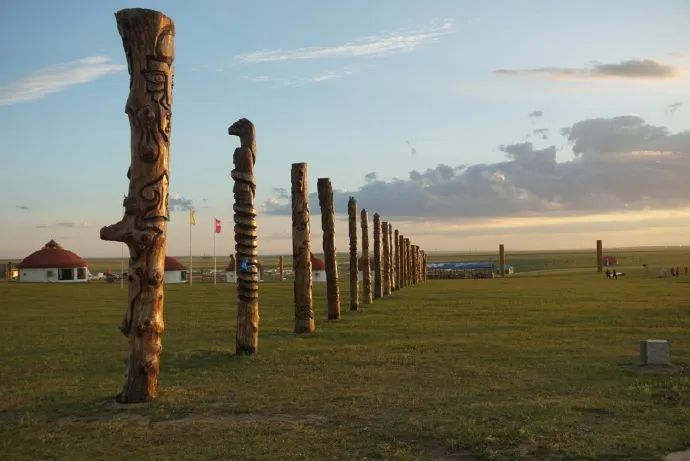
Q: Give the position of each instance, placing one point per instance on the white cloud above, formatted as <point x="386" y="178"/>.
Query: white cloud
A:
<point x="53" y="79"/>
<point x="369" y="47"/>
<point x="619" y="163"/>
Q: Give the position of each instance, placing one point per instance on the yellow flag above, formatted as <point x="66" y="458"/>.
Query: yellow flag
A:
<point x="192" y="218"/>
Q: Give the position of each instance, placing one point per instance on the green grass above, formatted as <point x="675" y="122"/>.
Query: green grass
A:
<point x="534" y="367"/>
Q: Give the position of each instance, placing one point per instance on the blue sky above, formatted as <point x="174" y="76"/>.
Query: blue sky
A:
<point x="374" y="95"/>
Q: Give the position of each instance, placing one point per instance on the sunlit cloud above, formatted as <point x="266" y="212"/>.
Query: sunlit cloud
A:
<point x="365" y="47"/>
<point x="630" y="69"/>
<point x="53" y="79"/>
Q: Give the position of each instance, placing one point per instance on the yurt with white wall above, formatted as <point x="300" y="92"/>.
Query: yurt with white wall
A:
<point x="53" y="264"/>
<point x="318" y="269"/>
<point x="175" y="272"/>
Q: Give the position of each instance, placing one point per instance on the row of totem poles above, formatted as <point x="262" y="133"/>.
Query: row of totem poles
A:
<point x="397" y="262"/>
<point x="148" y="41"/>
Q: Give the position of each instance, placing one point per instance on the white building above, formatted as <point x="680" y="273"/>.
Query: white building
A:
<point x="52" y="263"/>
<point x="318" y="269"/>
<point x="175" y="272"/>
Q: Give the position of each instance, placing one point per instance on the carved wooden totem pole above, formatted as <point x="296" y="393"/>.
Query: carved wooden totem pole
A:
<point x="366" y="266"/>
<point x="600" y="257"/>
<point x="396" y="259"/>
<point x="147" y="37"/>
<point x="385" y="282"/>
<point x="246" y="247"/>
<point x="281" y="268"/>
<point x="502" y="260"/>
<point x="378" y="283"/>
<point x="391" y="266"/>
<point x="301" y="250"/>
<point x="408" y="263"/>
<point x="325" y="190"/>
<point x="352" y="231"/>
<point x="401" y="247"/>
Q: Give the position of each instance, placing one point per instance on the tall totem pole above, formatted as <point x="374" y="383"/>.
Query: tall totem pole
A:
<point x="385" y="260"/>
<point x="352" y="232"/>
<point x="378" y="283"/>
<point x="301" y="250"/>
<point x="147" y="37"/>
<point x="325" y="192"/>
<point x="366" y="262"/>
<point x="244" y="158"/>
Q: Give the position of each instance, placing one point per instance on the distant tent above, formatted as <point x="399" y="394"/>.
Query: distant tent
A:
<point x="175" y="272"/>
<point x="318" y="269"/>
<point x="52" y="263"/>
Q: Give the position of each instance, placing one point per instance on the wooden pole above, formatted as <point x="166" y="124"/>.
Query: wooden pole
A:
<point x="385" y="255"/>
<point x="147" y="37"/>
<point x="502" y="260"/>
<point x="301" y="250"/>
<point x="600" y="257"/>
<point x="246" y="245"/>
<point x="396" y="260"/>
<point x="281" y="268"/>
<point x="408" y="262"/>
<point x="325" y="190"/>
<point x="352" y="232"/>
<point x="378" y="283"/>
<point x="366" y="267"/>
<point x="391" y="266"/>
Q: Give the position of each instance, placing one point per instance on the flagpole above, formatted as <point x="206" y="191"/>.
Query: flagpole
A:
<point x="191" y="267"/>
<point x="214" y="251"/>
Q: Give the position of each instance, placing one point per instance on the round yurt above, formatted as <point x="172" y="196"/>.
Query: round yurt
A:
<point x="52" y="263"/>
<point x="318" y="269"/>
<point x="175" y="272"/>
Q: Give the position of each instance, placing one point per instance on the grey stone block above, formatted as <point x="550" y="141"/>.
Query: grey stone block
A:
<point x="655" y="352"/>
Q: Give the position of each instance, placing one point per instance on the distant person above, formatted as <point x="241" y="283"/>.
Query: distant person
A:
<point x="673" y="272"/>
<point x="686" y="270"/>
<point x="677" y="271"/>
<point x="646" y="270"/>
<point x="608" y="274"/>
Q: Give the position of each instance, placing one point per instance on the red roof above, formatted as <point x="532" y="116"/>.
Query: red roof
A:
<point x="52" y="255"/>
<point x="316" y="263"/>
<point x="172" y="264"/>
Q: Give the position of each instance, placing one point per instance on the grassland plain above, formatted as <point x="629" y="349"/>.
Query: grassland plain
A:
<point x="528" y="367"/>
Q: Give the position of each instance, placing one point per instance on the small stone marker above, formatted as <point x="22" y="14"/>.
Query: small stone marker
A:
<point x="655" y="352"/>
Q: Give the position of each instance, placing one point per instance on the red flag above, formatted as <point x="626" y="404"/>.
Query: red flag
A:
<point x="217" y="223"/>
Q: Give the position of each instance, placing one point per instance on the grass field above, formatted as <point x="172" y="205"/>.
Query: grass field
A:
<point x="539" y="366"/>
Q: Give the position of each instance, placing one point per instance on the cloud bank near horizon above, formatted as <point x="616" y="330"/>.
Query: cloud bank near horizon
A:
<point x="619" y="163"/>
<point x="630" y="69"/>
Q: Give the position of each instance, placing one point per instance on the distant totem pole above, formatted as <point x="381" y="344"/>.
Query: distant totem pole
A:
<point x="408" y="263"/>
<point x="415" y="268"/>
<point x="246" y="247"/>
<point x="385" y="269"/>
<point x="378" y="283"/>
<point x="325" y="190"/>
<point x="600" y="257"/>
<point x="396" y="260"/>
<point x="281" y="268"/>
<point x="301" y="250"/>
<point x="352" y="232"/>
<point x="502" y="259"/>
<point x="147" y="37"/>
<point x="366" y="262"/>
<point x="391" y="266"/>
<point x="401" y="249"/>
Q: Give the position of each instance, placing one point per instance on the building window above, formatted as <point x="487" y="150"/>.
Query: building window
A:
<point x="183" y="275"/>
<point x="65" y="274"/>
<point x="81" y="273"/>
